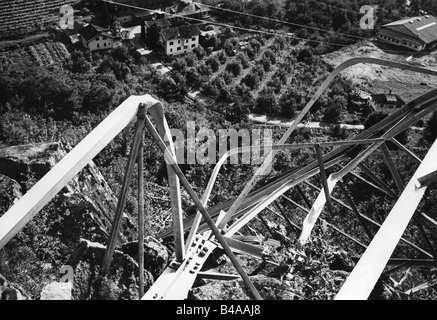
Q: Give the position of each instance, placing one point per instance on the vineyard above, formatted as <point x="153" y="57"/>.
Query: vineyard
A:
<point x="26" y="15"/>
<point x="48" y="53"/>
<point x="43" y="54"/>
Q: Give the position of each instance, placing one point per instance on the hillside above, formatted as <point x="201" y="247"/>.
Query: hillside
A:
<point x="55" y="92"/>
<point x="379" y="79"/>
<point x="28" y="15"/>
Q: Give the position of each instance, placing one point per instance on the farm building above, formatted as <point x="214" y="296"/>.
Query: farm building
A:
<point x="161" y="23"/>
<point x="384" y="101"/>
<point x="122" y="16"/>
<point x="95" y="38"/>
<point x="186" y="9"/>
<point x="181" y="39"/>
<point x="415" y="33"/>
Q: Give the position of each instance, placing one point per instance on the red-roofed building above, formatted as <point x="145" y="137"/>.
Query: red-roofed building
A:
<point x="415" y="33"/>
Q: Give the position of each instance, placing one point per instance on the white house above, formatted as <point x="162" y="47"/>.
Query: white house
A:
<point x="95" y="38"/>
<point x="181" y="39"/>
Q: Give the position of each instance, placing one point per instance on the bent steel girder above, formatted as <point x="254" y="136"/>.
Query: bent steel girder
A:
<point x="305" y="110"/>
<point x="393" y="124"/>
<point x="58" y="177"/>
<point x="316" y="210"/>
<point x="421" y="106"/>
<point x="230" y="216"/>
<point x="366" y="273"/>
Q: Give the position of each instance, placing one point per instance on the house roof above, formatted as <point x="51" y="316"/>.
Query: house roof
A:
<point x="423" y="27"/>
<point x="387" y="99"/>
<point x="180" y="32"/>
<point x="184" y="8"/>
<point x="160" y="23"/>
<point x="91" y="31"/>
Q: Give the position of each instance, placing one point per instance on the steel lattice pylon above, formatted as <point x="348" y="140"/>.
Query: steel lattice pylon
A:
<point x="217" y="226"/>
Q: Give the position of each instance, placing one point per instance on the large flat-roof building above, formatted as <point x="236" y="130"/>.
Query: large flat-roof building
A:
<point x="415" y="33"/>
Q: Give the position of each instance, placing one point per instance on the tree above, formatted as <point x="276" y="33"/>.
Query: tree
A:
<point x="266" y="102"/>
<point x="276" y="84"/>
<point x="98" y="98"/>
<point x="204" y="69"/>
<point x="213" y="63"/>
<point x="234" y="67"/>
<point x="79" y="62"/>
<point x="270" y="55"/>
<point x="229" y="48"/>
<point x="256" y="45"/>
<point x="265" y="63"/>
<point x="251" y="80"/>
<point x="332" y="114"/>
<point x="243" y="59"/>
<point x="305" y="55"/>
<point x="153" y="38"/>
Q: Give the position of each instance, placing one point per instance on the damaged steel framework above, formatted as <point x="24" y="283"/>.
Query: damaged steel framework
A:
<point x="217" y="226"/>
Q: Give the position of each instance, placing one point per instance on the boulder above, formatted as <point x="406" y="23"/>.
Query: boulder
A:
<point x="269" y="289"/>
<point x="89" y="186"/>
<point x="17" y="161"/>
<point x="56" y="291"/>
<point x="120" y="283"/>
<point x="155" y="255"/>
<point x="11" y="291"/>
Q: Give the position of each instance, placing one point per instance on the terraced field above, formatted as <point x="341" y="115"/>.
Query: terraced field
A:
<point x="45" y="53"/>
<point x="28" y="14"/>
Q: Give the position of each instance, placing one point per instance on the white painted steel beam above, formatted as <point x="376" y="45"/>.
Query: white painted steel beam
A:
<point x="366" y="273"/>
<point x="65" y="170"/>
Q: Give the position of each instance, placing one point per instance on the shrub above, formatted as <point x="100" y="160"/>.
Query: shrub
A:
<point x="266" y="102"/>
<point x="276" y="84"/>
<point x="234" y="68"/>
<point x="265" y="63"/>
<point x="256" y="45"/>
<point x="190" y="59"/>
<point x="204" y="69"/>
<point x="199" y="52"/>
<point x="213" y="63"/>
<point x="222" y="57"/>
<point x="179" y="65"/>
<point x="258" y="70"/>
<point x="250" y="52"/>
<point x="229" y="48"/>
<point x="332" y="114"/>
<point x="244" y="60"/>
<point x="251" y="80"/>
<point x="270" y="55"/>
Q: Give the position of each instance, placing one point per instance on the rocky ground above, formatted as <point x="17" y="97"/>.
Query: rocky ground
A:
<point x="84" y="210"/>
<point x="379" y="79"/>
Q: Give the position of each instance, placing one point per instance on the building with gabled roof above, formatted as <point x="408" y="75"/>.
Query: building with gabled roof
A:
<point x="415" y="33"/>
<point x="122" y="15"/>
<point x="385" y="101"/>
<point x="186" y="9"/>
<point x="180" y="39"/>
<point x="161" y="23"/>
<point x="96" y="38"/>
